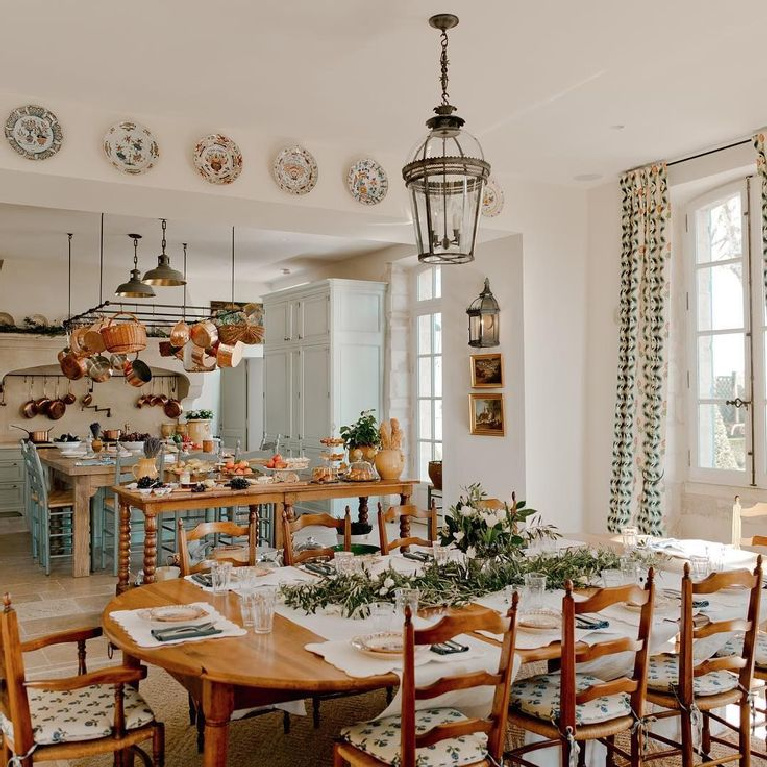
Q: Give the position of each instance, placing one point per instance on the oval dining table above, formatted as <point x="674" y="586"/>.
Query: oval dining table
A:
<point x="232" y="673"/>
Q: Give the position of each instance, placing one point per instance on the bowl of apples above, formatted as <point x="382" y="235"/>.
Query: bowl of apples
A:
<point x="237" y="469"/>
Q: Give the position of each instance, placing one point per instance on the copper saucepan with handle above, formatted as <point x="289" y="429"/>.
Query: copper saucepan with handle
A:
<point x="41" y="404"/>
<point x="72" y="366"/>
<point x="99" y="369"/>
<point x="38" y="436"/>
<point x="204" y="334"/>
<point x="29" y="408"/>
<point x="138" y="373"/>
<point x="70" y="397"/>
<point x="57" y="408"/>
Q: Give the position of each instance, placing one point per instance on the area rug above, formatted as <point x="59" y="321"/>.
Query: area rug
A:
<point x="261" y="742"/>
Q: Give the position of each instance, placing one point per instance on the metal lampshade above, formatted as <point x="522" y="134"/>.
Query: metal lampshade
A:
<point x="135" y="288"/>
<point x="484" y="319"/>
<point x="446" y="177"/>
<point x="164" y="274"/>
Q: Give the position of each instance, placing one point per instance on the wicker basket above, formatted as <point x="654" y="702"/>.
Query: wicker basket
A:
<point x="248" y="334"/>
<point x="125" y="338"/>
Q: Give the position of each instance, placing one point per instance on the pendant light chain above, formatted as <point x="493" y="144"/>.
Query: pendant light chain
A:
<point x="183" y="308"/>
<point x="444" y="62"/>
<point x="69" y="274"/>
<point x="135" y="252"/>
<point x="164" y="242"/>
<point x="101" y="263"/>
<point x="232" y="267"/>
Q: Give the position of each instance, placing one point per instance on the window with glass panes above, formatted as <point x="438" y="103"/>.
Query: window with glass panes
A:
<point x="726" y="375"/>
<point x="428" y="368"/>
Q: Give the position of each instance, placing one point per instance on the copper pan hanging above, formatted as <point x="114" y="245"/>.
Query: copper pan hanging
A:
<point x="29" y="408"/>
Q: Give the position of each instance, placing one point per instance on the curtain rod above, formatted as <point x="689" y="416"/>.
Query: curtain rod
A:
<point x="710" y="151"/>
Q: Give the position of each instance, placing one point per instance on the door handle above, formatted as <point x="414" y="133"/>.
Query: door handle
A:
<point x="738" y="402"/>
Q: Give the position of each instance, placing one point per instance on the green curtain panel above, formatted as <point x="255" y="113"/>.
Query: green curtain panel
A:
<point x="640" y="403"/>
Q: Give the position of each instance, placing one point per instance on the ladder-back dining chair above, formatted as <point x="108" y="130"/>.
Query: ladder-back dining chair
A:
<point x="692" y="688"/>
<point x="404" y="515"/>
<point x="69" y="718"/>
<point x="291" y="526"/>
<point x="439" y="736"/>
<point x="568" y="708"/>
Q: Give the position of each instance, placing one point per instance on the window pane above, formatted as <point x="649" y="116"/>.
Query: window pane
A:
<point x="424" y="376"/>
<point x="424" y="334"/>
<point x="720" y="297"/>
<point x="438" y="419"/>
<point x="721" y="366"/>
<point x="424" y="419"/>
<point x="720" y="446"/>
<point x="437" y="333"/>
<point x="719" y="231"/>
<point x="437" y="451"/>
<point x="437" y="376"/>
<point x="425" y="290"/>
<point x="437" y="282"/>
<point x="424" y="456"/>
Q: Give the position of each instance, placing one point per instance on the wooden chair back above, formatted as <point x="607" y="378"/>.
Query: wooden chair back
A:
<point x="410" y="512"/>
<point x="37" y="478"/>
<point x="743" y="664"/>
<point x="494" y="725"/>
<point x="636" y="684"/>
<point x="185" y="537"/>
<point x="14" y="702"/>
<point x="290" y="526"/>
<point x="758" y="540"/>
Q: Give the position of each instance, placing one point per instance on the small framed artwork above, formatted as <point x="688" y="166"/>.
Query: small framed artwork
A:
<point x="486" y="414"/>
<point x="486" y="371"/>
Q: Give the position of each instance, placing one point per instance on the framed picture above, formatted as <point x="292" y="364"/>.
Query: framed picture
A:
<point x="486" y="371"/>
<point x="486" y="414"/>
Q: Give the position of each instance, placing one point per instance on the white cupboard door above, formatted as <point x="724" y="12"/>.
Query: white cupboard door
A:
<point x="315" y="365"/>
<point x="234" y="408"/>
<point x="296" y="397"/>
<point x="277" y="323"/>
<point x="315" y="318"/>
<point x="277" y="385"/>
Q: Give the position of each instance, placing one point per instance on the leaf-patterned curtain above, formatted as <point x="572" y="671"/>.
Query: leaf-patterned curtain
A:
<point x="640" y="405"/>
<point x="761" y="171"/>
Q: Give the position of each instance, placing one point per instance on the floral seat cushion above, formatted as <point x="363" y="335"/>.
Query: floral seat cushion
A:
<point x="85" y="714"/>
<point x="663" y="676"/>
<point x="734" y="646"/>
<point x="538" y="696"/>
<point x="382" y="739"/>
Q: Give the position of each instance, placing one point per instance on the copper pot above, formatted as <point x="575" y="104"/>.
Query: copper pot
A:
<point x="204" y="334"/>
<point x="118" y="361"/>
<point x="42" y="403"/>
<point x="29" y="408"/>
<point x="198" y="360"/>
<point x="56" y="408"/>
<point x="229" y="355"/>
<point x="138" y="373"/>
<point x="70" y="397"/>
<point x="99" y="369"/>
<point x="87" y="399"/>
<point x="179" y="334"/>
<point x="41" y="435"/>
<point x="73" y="366"/>
<point x="112" y="435"/>
<point x="173" y="408"/>
<point x="76" y="339"/>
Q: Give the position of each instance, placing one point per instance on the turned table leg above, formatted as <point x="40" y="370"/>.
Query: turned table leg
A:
<point x="404" y="520"/>
<point x="217" y="706"/>
<point x="362" y="514"/>
<point x="123" y="548"/>
<point x="150" y="546"/>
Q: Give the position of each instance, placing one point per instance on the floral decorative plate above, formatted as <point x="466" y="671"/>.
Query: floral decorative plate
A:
<point x="34" y="132"/>
<point x="367" y="182"/>
<point x="131" y="147"/>
<point x="492" y="198"/>
<point x="295" y="170"/>
<point x="218" y="159"/>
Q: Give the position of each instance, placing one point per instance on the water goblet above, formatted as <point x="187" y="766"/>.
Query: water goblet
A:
<point x="220" y="576"/>
<point x="629" y="538"/>
<point x="698" y="567"/>
<point x="405" y="597"/>
<point x="440" y="553"/>
<point x="265" y="598"/>
<point x="535" y="586"/>
<point x="344" y="562"/>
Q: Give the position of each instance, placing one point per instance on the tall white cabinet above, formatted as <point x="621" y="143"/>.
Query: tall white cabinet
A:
<point x="323" y="360"/>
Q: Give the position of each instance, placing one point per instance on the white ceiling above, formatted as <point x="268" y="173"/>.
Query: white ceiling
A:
<point x="541" y="83"/>
<point x="39" y="234"/>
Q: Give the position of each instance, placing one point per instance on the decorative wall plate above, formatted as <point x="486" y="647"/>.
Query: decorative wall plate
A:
<point x="295" y="170"/>
<point x="492" y="198"/>
<point x="34" y="132"/>
<point x="367" y="182"/>
<point x="131" y="147"/>
<point x="218" y="159"/>
<point x="7" y="319"/>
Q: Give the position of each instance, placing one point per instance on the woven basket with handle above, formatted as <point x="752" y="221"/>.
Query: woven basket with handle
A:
<point x="248" y="334"/>
<point x="125" y="338"/>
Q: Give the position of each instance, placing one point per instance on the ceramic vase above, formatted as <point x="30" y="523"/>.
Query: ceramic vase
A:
<point x="390" y="464"/>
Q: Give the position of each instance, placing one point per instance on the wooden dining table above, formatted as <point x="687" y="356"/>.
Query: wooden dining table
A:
<point x="283" y="495"/>
<point x="84" y="481"/>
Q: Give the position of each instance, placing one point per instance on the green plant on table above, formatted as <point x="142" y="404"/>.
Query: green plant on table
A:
<point x="363" y="432"/>
<point x="203" y="415"/>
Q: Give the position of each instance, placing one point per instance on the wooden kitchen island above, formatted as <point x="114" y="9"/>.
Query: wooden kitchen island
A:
<point x="281" y="495"/>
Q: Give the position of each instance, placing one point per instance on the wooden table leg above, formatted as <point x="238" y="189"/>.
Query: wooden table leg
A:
<point x="150" y="546"/>
<point x="404" y="520"/>
<point x="81" y="544"/>
<point x="362" y="512"/>
<point x="217" y="706"/>
<point x="288" y="507"/>
<point x="123" y="550"/>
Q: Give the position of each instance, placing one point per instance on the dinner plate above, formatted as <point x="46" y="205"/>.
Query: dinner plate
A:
<point x="34" y="132"/>
<point x="218" y="159"/>
<point x="295" y="170"/>
<point x="367" y="182"/>
<point x="131" y="147"/>
<point x="492" y="198"/>
<point x="540" y="620"/>
<point x="385" y="644"/>
<point x="175" y="615"/>
<point x="661" y="602"/>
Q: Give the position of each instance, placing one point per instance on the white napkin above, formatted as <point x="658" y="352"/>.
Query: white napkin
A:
<point x="140" y="629"/>
<point x="276" y="577"/>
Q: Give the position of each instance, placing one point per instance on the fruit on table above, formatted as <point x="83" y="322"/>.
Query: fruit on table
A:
<point x="241" y="468"/>
<point x="239" y="483"/>
<point x="276" y="462"/>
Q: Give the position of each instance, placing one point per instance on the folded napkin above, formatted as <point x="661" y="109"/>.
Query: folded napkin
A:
<point x="591" y="623"/>
<point x="176" y="634"/>
<point x="140" y="629"/>
<point x="96" y="462"/>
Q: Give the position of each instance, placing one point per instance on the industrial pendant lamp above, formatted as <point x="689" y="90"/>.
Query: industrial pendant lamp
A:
<point x="446" y="177"/>
<point x="164" y="274"/>
<point x="134" y="288"/>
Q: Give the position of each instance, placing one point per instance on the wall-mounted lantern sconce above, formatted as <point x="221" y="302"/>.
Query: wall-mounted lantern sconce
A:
<point x="484" y="319"/>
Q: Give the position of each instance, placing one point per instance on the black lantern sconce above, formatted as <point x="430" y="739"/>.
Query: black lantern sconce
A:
<point x="484" y="320"/>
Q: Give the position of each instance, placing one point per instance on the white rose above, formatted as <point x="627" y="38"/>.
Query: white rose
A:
<point x="467" y="511"/>
<point x="471" y="553"/>
<point x="388" y="583"/>
<point x="458" y="535"/>
<point x="383" y="591"/>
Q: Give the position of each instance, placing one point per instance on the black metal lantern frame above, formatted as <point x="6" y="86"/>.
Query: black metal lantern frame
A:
<point x="446" y="178"/>
<point x="484" y="320"/>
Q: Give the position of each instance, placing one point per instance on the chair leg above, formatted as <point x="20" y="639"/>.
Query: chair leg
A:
<point x="316" y="712"/>
<point x="705" y="742"/>
<point x="636" y="747"/>
<point x="744" y="733"/>
<point x="192" y="709"/>
<point x="582" y="754"/>
<point x="685" y="725"/>
<point x="338" y="760"/>
<point x="286" y="722"/>
<point x="389" y="694"/>
<point x="200" y="732"/>
<point x="158" y="745"/>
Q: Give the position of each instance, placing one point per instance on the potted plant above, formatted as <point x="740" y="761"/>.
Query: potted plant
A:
<point x="360" y="532"/>
<point x="362" y="439"/>
<point x="198" y="425"/>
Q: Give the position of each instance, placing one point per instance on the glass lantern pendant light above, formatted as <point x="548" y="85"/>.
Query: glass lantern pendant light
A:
<point x="134" y="288"/>
<point x="446" y="177"/>
<point x="484" y="320"/>
<point x="164" y="274"/>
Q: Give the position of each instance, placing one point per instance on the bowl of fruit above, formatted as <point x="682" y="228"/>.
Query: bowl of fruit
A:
<point x="237" y="469"/>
